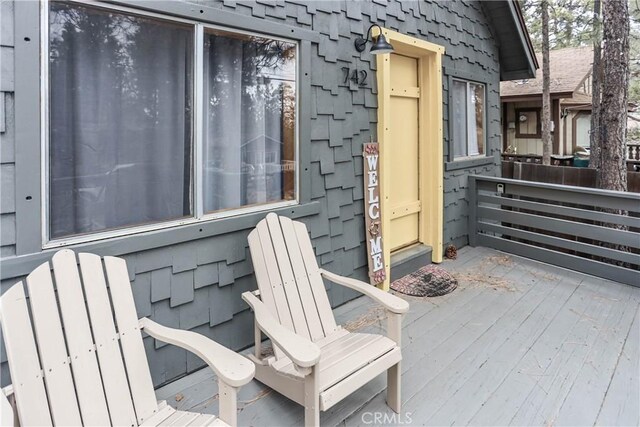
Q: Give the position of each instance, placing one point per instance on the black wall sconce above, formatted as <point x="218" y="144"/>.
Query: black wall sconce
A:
<point x="379" y="44"/>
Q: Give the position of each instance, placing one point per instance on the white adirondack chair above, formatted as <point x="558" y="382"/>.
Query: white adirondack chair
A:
<point x="81" y="367"/>
<point x="315" y="363"/>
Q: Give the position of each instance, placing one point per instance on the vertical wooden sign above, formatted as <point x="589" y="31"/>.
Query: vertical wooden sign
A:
<point x="373" y="212"/>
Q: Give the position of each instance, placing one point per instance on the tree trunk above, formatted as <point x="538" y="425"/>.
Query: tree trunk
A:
<point x="546" y="101"/>
<point x="615" y="86"/>
<point x="596" y="89"/>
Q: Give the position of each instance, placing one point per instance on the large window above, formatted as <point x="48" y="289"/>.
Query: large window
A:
<point x="468" y="116"/>
<point x="155" y="122"/>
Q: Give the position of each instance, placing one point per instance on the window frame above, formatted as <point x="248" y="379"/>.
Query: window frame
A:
<point x="456" y="163"/>
<point x="469" y="112"/>
<point x="198" y="216"/>
<point x="538" y="111"/>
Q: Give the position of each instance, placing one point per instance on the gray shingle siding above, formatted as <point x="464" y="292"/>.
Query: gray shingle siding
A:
<point x="196" y="285"/>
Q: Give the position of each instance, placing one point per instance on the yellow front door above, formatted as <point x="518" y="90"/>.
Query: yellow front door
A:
<point x="404" y="189"/>
<point x="410" y="137"/>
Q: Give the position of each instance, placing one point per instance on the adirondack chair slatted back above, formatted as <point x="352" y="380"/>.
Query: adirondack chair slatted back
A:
<point x="77" y="369"/>
<point x="289" y="279"/>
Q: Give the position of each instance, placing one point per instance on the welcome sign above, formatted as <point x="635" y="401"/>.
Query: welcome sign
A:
<point x="373" y="213"/>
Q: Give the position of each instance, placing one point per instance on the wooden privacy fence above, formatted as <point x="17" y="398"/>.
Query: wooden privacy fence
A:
<point x="582" y="229"/>
<point x="581" y="177"/>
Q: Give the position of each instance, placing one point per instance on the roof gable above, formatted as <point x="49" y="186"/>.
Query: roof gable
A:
<point x="517" y="57"/>
<point x="568" y="69"/>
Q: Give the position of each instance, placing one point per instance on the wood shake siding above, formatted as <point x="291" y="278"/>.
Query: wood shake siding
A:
<point x="195" y="282"/>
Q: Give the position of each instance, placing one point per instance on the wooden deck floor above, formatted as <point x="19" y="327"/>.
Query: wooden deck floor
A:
<point x="518" y="343"/>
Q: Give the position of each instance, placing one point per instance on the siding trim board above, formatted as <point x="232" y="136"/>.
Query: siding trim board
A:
<point x="27" y="127"/>
<point x="469" y="163"/>
<point x="534" y="97"/>
<point x="22" y="265"/>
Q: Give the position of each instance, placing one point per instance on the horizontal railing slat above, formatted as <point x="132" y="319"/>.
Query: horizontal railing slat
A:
<point x="592" y="215"/>
<point x="562" y="226"/>
<point x="485" y="180"/>
<point x="627" y="257"/>
<point x="569" y="195"/>
<point x="584" y="265"/>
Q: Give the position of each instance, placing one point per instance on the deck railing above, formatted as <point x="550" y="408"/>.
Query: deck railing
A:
<point x="633" y="151"/>
<point x="565" y="175"/>
<point x="589" y="230"/>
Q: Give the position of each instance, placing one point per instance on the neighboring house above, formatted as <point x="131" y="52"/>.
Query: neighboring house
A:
<point x="146" y="137"/>
<point x="570" y="89"/>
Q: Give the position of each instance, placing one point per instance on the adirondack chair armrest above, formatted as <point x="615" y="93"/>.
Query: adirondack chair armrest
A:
<point x="388" y="301"/>
<point x="232" y="368"/>
<point x="300" y="350"/>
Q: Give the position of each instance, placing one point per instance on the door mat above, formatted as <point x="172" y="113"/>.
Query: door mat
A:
<point x="428" y="281"/>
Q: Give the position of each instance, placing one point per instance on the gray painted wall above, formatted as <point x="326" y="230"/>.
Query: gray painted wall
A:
<point x="196" y="284"/>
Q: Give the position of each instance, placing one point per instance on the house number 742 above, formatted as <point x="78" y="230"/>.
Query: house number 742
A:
<point x="358" y="77"/>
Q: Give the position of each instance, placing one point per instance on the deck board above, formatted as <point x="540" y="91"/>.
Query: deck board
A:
<point x="499" y="407"/>
<point x="562" y="350"/>
<point x="519" y="342"/>
<point x="583" y="401"/>
<point x="620" y="404"/>
<point x="488" y="357"/>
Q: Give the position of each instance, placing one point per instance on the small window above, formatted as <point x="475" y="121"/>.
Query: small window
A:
<point x="468" y="116"/>
<point x="249" y="138"/>
<point x="528" y="123"/>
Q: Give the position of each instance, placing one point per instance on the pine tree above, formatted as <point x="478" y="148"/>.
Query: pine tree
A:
<point x="596" y="89"/>
<point x="615" y="85"/>
<point x="570" y="22"/>
<point x="546" y="83"/>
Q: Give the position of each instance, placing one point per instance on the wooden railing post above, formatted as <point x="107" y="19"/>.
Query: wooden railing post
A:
<point x="473" y="210"/>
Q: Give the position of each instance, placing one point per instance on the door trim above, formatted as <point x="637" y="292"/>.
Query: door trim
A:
<point x="574" y="129"/>
<point x="430" y="136"/>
